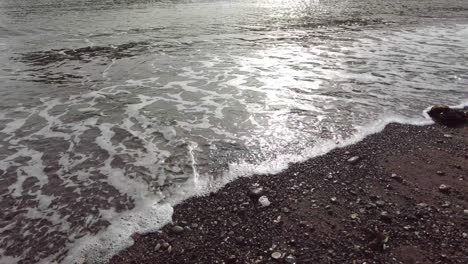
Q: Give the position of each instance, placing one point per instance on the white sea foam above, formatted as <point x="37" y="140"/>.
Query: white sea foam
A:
<point x="147" y="217"/>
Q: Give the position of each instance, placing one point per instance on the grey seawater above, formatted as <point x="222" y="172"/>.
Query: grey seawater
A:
<point x="111" y="111"/>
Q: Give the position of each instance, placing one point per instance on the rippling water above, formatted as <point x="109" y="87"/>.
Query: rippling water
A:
<point x="111" y="111"/>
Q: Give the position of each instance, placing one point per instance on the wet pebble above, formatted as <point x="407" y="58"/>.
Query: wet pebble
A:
<point x="422" y="205"/>
<point x="290" y="259"/>
<point x="255" y="193"/>
<point x="446" y="204"/>
<point x="385" y="216"/>
<point x="177" y="229"/>
<point x="276" y="255"/>
<point x="354" y="160"/>
<point x="396" y="177"/>
<point x="157" y="247"/>
<point x="380" y="203"/>
<point x="441" y="173"/>
<point x="444" y="188"/>
<point x="240" y="239"/>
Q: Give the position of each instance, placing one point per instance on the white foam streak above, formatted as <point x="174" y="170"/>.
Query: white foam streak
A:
<point x="147" y="217"/>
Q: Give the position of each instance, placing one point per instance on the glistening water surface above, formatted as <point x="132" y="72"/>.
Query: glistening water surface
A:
<point x="112" y="111"/>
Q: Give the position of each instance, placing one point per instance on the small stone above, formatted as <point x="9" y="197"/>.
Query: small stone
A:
<point x="354" y="216"/>
<point x="441" y="173"/>
<point x="333" y="199"/>
<point x="465" y="212"/>
<point x="354" y="160"/>
<point x="194" y="225"/>
<point x="177" y="229"/>
<point x="285" y="210"/>
<point x="444" y="188"/>
<point x="240" y="239"/>
<point x="165" y="245"/>
<point x="385" y="216"/>
<point x="264" y="202"/>
<point x="464" y="235"/>
<point x="276" y="255"/>
<point x="255" y="193"/>
<point x="380" y="203"/>
<point x="423" y="205"/>
<point x="290" y="259"/>
<point x="448" y="136"/>
<point x="157" y="247"/>
<point x="169" y="249"/>
<point x="395" y="177"/>
<point x="446" y="204"/>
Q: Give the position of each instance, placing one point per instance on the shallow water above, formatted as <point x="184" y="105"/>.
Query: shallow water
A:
<point x="111" y="111"/>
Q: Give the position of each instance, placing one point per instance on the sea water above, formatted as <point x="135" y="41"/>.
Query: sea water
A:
<point x="111" y="112"/>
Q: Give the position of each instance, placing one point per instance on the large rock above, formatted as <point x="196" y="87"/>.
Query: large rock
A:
<point x="445" y="115"/>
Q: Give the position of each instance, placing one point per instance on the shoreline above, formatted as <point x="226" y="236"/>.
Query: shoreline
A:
<point x="402" y="201"/>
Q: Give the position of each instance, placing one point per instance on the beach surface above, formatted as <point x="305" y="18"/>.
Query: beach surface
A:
<point x="398" y="196"/>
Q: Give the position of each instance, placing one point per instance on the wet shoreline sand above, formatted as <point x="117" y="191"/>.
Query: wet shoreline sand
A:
<point x="403" y="201"/>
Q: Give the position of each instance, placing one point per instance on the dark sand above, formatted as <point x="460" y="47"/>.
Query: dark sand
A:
<point x="376" y="218"/>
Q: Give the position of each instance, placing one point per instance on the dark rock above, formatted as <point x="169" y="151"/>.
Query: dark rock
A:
<point x="444" y="188"/>
<point x="255" y="193"/>
<point x="396" y="177"/>
<point x="290" y="259"/>
<point x="445" y="115"/>
<point x="446" y="204"/>
<point x="384" y="216"/>
<point x="380" y="203"/>
<point x="240" y="239"/>
<point x="231" y="259"/>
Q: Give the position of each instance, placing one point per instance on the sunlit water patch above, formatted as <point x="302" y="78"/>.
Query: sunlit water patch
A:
<point x="105" y="123"/>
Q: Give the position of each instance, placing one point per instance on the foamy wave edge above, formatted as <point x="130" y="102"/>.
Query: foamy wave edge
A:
<point x="150" y="215"/>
